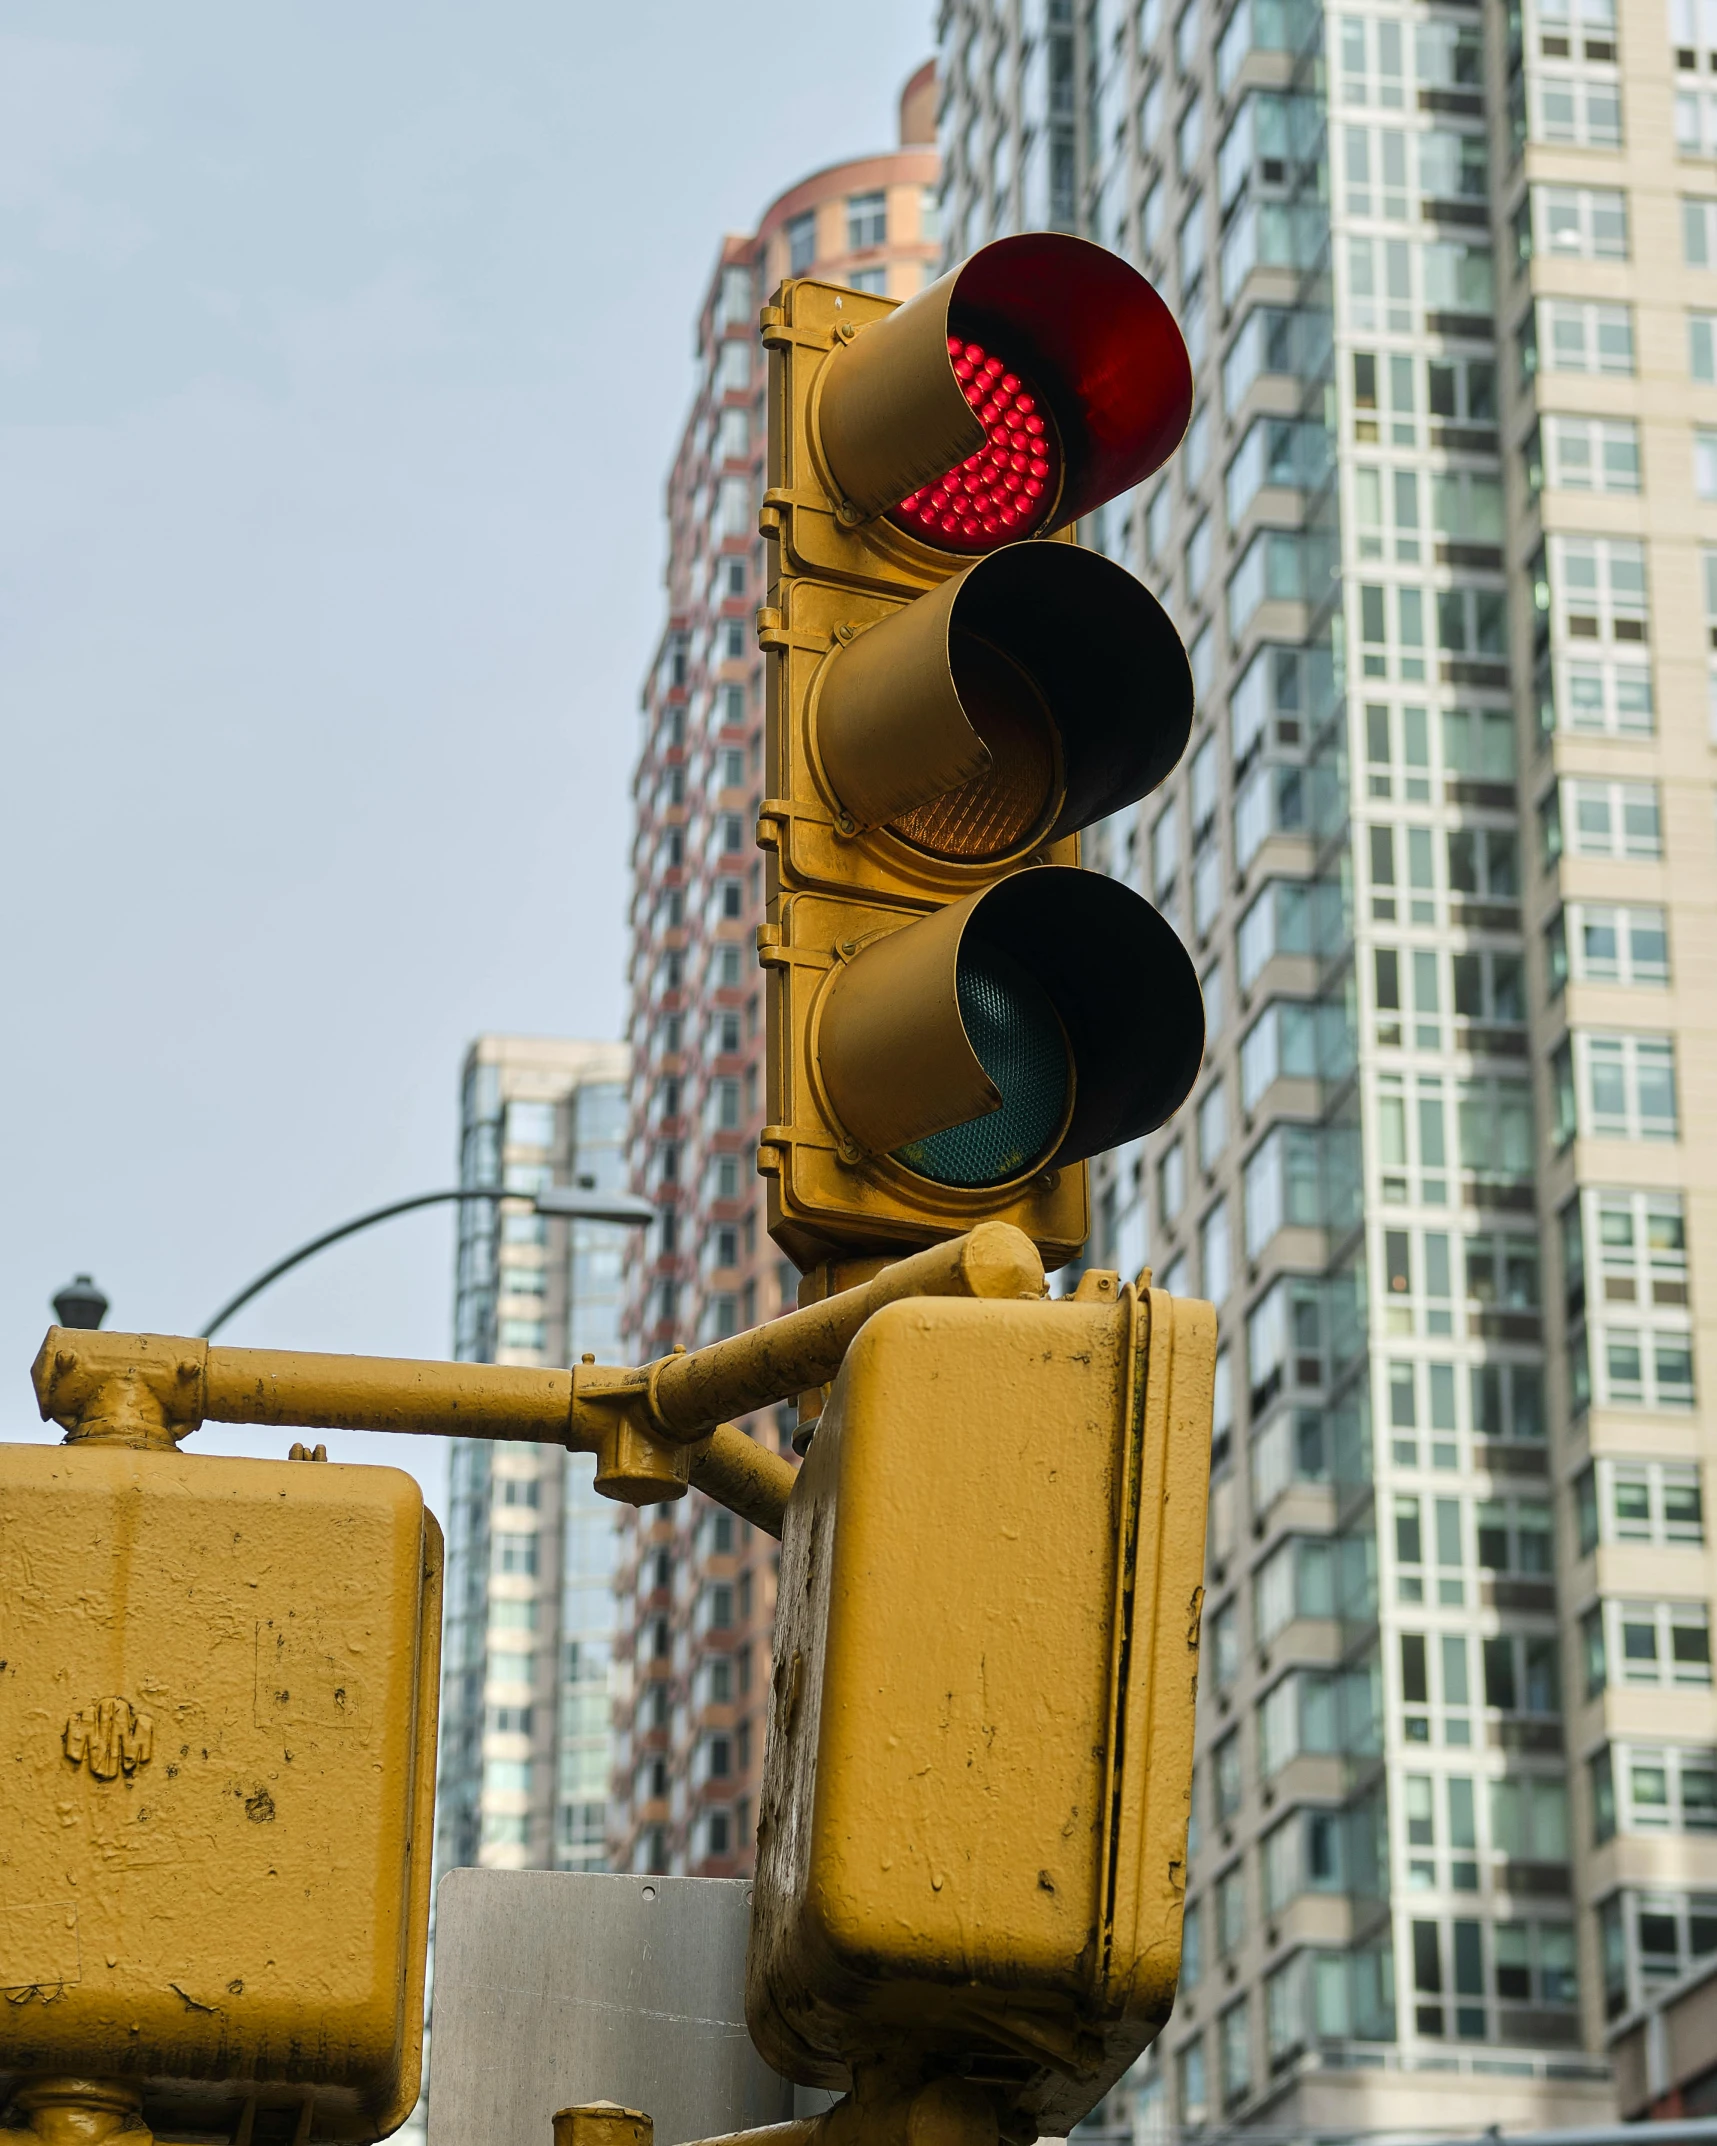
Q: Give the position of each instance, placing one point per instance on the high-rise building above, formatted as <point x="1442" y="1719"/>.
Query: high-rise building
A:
<point x="1442" y="542"/>
<point x="528" y="1679"/>
<point x="697" y="1586"/>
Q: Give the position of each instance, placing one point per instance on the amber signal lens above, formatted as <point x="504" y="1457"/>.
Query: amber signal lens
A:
<point x="1001" y="809"/>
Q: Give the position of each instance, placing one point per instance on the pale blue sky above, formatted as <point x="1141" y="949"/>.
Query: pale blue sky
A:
<point x="342" y="353"/>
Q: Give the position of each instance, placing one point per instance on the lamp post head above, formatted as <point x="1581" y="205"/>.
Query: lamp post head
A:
<point x="80" y="1303"/>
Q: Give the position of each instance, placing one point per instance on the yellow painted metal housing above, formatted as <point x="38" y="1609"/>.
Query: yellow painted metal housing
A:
<point x="973" y="1826"/>
<point x="940" y="727"/>
<point x="217" y="1714"/>
<point x="836" y="884"/>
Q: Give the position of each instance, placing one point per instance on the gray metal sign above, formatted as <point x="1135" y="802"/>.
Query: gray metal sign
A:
<point x="554" y="1987"/>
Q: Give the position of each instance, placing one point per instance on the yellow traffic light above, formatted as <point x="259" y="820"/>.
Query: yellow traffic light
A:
<point x="220" y="1699"/>
<point x="959" y="1018"/>
<point x="972" y="1842"/>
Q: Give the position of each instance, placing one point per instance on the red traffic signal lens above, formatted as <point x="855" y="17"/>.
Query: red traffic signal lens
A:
<point x="910" y="426"/>
<point x="1006" y="489"/>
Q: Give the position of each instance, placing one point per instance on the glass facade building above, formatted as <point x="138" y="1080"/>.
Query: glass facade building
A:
<point x="528" y="1671"/>
<point x="1442" y="543"/>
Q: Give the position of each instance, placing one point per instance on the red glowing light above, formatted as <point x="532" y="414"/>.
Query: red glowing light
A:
<point x="1004" y="490"/>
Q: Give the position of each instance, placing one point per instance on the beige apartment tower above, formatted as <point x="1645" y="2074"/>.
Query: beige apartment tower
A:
<point x="1442" y="543"/>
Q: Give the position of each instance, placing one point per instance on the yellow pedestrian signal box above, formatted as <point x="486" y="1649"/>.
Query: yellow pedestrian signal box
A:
<point x="972" y="1839"/>
<point x="217" y="1712"/>
<point x="958" y="1017"/>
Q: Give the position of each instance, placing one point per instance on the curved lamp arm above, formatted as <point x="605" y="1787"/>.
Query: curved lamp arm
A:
<point x="564" y="1201"/>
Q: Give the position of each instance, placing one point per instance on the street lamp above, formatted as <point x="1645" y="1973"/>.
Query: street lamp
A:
<point x="80" y="1304"/>
<point x="572" y="1203"/>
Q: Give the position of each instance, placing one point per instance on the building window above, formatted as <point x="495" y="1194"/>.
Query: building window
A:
<point x="1611" y="819"/>
<point x="867" y="221"/>
<point x="1639" y="1256"/>
<point x="1206" y="890"/>
<point x="1596" y="590"/>
<point x="1190" y="2079"/>
<point x="1282" y="1184"/>
<point x="1235" y="2032"/>
<point x="1581" y="223"/>
<point x="1191" y="246"/>
<point x="1591" y="454"/>
<point x="1171" y="1182"/>
<point x="1647" y="1939"/>
<point x="1662" y="1644"/>
<point x="801" y="243"/>
<point x="733" y="366"/>
<point x="516" y="1554"/>
<point x="1214" y="1254"/>
<point x="1653" y="1788"/>
<point x="1212" y="1125"/>
<point x="1626" y="1086"/>
<point x="1198" y="548"/>
<point x="1192" y="1946"/>
<point x="1699" y="232"/>
<point x="1284" y="1340"/>
<point x="1581" y="337"/>
<point x="1282" y="1044"/>
<point x="1297" y="1579"/>
<point x="1230" y="1899"/>
<point x="1580" y="110"/>
<point x="1655" y="1502"/>
<point x="1609" y="944"/>
<point x="1226" y="1779"/>
<point x="530" y="1125"/>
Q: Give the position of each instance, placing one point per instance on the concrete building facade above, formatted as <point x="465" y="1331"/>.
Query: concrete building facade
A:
<point x="1442" y="542"/>
<point x="697" y="1586"/>
<point x="529" y="1679"/>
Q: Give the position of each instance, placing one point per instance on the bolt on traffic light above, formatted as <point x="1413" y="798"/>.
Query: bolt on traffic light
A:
<point x="959" y="1017"/>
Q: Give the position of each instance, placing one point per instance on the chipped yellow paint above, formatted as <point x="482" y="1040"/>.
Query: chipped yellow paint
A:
<point x="217" y="1755"/>
<point x="973" y="1830"/>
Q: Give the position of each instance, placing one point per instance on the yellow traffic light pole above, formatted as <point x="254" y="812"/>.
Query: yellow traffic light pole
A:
<point x="654" y="1430"/>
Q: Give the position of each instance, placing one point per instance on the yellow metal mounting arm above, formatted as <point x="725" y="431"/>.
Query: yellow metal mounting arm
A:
<point x="653" y="1430"/>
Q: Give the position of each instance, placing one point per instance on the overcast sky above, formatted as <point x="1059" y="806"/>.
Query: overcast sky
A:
<point x="343" y="350"/>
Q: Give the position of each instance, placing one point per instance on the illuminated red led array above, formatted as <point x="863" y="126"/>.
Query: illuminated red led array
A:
<point x="1005" y="489"/>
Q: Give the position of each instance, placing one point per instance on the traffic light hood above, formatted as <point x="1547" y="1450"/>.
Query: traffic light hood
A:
<point x="1085" y="342"/>
<point x="1037" y="691"/>
<point x="901" y="1062"/>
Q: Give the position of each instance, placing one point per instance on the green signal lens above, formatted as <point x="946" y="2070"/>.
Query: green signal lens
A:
<point x="1012" y="1026"/>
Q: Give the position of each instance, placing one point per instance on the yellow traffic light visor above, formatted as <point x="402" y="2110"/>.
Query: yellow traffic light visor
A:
<point x="1027" y="386"/>
<point x="1035" y="692"/>
<point x="1029" y="1026"/>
